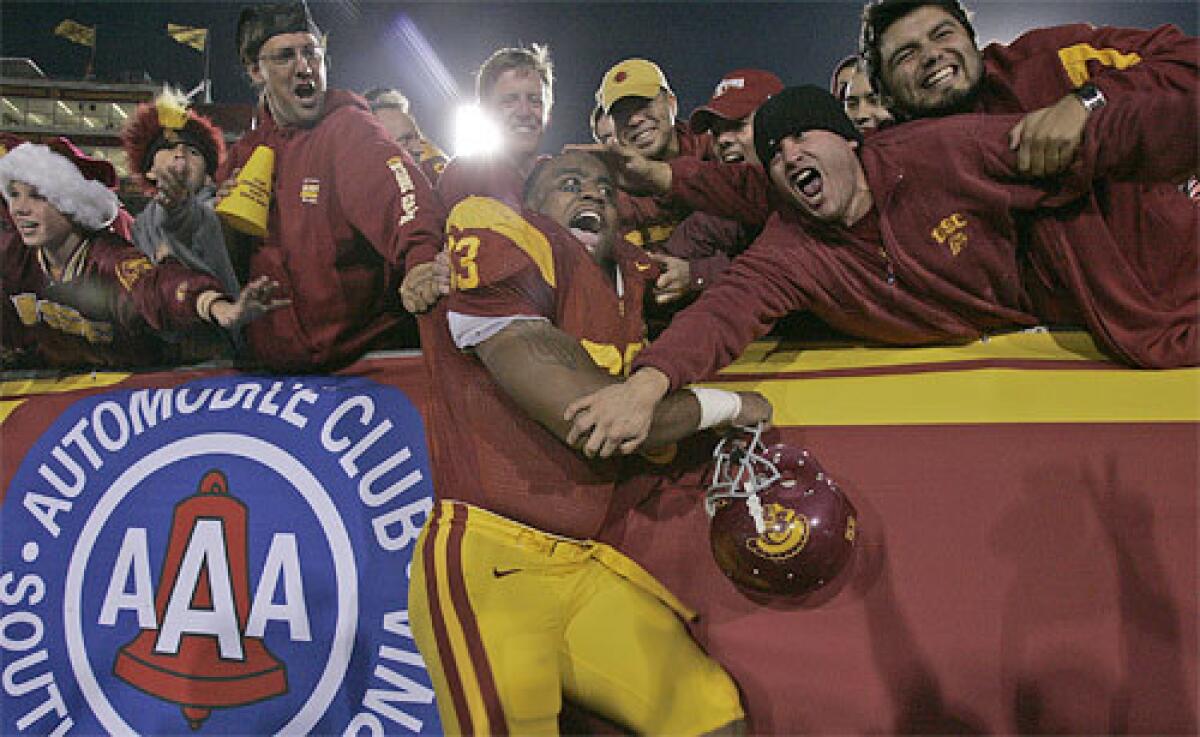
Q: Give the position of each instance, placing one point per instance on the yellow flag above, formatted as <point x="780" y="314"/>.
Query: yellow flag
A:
<point x="188" y="36"/>
<point x="76" y="33"/>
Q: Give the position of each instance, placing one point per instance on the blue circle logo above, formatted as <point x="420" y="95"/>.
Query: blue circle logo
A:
<point x="226" y="556"/>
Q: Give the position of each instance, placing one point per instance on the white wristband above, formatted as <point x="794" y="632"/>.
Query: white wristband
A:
<point x="717" y="406"/>
<point x="204" y="304"/>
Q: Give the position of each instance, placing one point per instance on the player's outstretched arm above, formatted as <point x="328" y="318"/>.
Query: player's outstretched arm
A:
<point x="544" y="370"/>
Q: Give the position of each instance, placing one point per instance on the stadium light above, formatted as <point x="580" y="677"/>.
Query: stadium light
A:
<point x="474" y="132"/>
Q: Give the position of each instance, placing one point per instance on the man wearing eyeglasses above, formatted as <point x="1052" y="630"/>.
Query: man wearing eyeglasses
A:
<point x="350" y="210"/>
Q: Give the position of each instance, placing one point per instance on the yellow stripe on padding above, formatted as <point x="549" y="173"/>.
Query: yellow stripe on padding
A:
<point x="1075" y="58"/>
<point x="56" y="385"/>
<point x="1060" y="377"/>
<point x="984" y="397"/>
<point x="771" y="356"/>
<point x="15" y="392"/>
<point x="7" y="407"/>
<point x="485" y="213"/>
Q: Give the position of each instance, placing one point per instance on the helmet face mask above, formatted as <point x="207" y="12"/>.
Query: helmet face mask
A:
<point x="779" y="525"/>
<point x="741" y="472"/>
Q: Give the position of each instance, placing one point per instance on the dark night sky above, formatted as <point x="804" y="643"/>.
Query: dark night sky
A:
<point x="694" y="42"/>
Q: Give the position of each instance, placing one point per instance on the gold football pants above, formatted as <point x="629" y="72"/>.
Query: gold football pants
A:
<point x="510" y="619"/>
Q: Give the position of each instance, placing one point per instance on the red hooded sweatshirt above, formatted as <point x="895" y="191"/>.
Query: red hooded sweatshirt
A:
<point x="350" y="210"/>
<point x="938" y="260"/>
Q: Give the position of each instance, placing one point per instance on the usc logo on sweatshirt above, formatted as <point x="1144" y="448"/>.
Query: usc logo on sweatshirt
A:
<point x="404" y="182"/>
<point x="130" y="270"/>
<point x="951" y="232"/>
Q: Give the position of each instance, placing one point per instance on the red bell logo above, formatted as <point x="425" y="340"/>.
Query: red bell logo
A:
<point x="199" y="656"/>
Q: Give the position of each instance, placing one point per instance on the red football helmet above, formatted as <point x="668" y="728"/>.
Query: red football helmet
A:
<point x="780" y="525"/>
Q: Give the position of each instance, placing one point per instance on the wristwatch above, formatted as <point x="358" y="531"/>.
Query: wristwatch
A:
<point x="1091" y="97"/>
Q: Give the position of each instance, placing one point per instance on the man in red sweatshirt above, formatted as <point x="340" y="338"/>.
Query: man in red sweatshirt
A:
<point x="912" y="237"/>
<point x="351" y="210"/>
<point x="703" y="242"/>
<point x="924" y="57"/>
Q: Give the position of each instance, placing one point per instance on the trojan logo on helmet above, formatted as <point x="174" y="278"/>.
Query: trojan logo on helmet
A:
<point x="779" y="525"/>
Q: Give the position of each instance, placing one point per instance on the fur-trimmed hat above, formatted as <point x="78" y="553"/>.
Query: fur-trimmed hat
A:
<point x="165" y="123"/>
<point x="76" y="184"/>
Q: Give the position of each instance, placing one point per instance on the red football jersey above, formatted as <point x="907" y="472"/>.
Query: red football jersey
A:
<point x="486" y="450"/>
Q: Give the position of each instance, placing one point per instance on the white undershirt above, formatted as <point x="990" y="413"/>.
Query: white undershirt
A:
<point x="469" y="331"/>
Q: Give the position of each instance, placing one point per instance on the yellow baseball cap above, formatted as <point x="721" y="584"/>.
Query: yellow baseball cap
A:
<point x="632" y="78"/>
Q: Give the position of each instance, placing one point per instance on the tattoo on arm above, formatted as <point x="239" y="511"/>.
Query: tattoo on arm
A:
<point x="548" y="346"/>
<point x="541" y="369"/>
<point x="544" y="369"/>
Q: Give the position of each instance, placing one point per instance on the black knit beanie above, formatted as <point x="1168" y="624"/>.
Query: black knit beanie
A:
<point x="794" y="111"/>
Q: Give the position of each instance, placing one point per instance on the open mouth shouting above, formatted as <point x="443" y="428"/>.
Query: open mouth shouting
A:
<point x="587" y="225"/>
<point x="305" y="91"/>
<point x="809" y="183"/>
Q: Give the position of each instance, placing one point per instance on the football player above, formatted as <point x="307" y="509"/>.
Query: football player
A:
<point x="514" y="605"/>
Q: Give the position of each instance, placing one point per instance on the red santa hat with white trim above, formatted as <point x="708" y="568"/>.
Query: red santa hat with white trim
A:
<point x="75" y="183"/>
